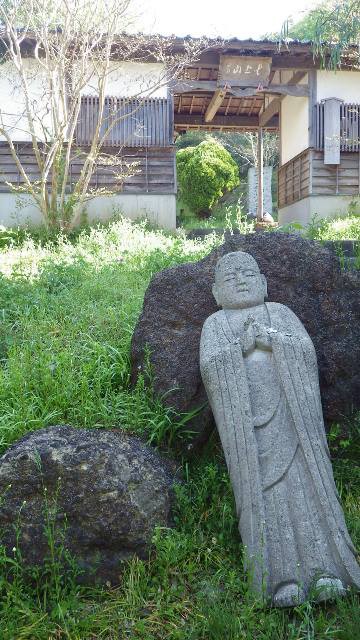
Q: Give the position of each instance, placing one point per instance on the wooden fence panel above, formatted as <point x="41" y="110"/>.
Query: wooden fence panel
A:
<point x="126" y="122"/>
<point x="152" y="169"/>
<point x="306" y="175"/>
<point x="349" y="126"/>
<point x="342" y="179"/>
<point x="294" y="179"/>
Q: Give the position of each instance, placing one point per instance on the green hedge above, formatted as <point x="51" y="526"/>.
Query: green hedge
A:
<point x="205" y="173"/>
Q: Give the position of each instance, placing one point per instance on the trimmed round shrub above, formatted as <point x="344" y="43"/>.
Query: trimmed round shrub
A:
<point x="205" y="173"/>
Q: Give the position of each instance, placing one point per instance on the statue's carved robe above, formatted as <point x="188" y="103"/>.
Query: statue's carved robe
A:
<point x="268" y="412"/>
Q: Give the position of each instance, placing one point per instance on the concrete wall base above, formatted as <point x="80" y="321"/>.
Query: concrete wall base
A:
<point x="304" y="210"/>
<point x="159" y="209"/>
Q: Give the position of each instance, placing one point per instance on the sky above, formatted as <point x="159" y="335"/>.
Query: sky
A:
<point x="226" y="18"/>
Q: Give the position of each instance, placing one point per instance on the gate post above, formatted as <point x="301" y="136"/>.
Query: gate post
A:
<point x="260" y="160"/>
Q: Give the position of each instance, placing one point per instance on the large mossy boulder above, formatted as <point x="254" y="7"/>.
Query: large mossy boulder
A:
<point x="301" y="274"/>
<point x="102" y="493"/>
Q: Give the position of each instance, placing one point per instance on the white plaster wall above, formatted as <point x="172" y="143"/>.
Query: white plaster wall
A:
<point x="129" y="79"/>
<point x="125" y="79"/>
<point x="294" y="127"/>
<point x="321" y="206"/>
<point x="340" y="84"/>
<point x="158" y="209"/>
<point x="12" y="102"/>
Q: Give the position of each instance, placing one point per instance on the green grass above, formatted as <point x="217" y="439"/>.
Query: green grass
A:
<point x="338" y="228"/>
<point x="227" y="217"/>
<point x="67" y="312"/>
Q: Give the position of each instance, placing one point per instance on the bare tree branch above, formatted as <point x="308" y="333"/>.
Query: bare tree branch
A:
<point x="65" y="48"/>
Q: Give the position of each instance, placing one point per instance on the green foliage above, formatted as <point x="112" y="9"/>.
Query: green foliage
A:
<point x="193" y="587"/>
<point x="223" y="218"/>
<point x="305" y="28"/>
<point x="241" y="146"/>
<point x="332" y="28"/>
<point x="67" y="313"/>
<point x="205" y="173"/>
<point x="191" y="139"/>
<point x="339" y="228"/>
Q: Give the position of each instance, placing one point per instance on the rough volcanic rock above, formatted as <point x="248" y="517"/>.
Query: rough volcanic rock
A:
<point x="105" y="492"/>
<point x="301" y="274"/>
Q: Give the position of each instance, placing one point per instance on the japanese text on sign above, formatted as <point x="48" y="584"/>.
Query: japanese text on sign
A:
<point x="244" y="71"/>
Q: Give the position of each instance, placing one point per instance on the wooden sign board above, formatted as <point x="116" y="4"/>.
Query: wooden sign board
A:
<point x="332" y="131"/>
<point x="244" y="71"/>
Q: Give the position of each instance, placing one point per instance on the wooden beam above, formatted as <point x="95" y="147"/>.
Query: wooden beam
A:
<point x="297" y="77"/>
<point x="215" y="103"/>
<point x="231" y="122"/>
<point x="301" y="61"/>
<point x="271" y="110"/>
<point x="298" y="90"/>
<point x="220" y="121"/>
<point x="274" y="107"/>
<point x="189" y="86"/>
<point x="271" y="76"/>
<point x="280" y="60"/>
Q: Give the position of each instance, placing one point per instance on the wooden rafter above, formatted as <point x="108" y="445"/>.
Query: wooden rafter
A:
<point x="274" y="107"/>
<point x="215" y="102"/>
<point x="271" y="76"/>
<point x="297" y="77"/>
<point x="271" y="110"/>
<point x="252" y="105"/>
<point x="228" y="105"/>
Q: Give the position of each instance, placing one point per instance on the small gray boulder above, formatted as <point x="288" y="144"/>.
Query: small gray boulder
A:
<point x="104" y="492"/>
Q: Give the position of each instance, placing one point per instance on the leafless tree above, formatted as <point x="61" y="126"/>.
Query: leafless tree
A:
<point x="72" y="44"/>
<point x="245" y="147"/>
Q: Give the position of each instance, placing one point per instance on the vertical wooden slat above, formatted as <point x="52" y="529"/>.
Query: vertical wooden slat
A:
<point x="138" y="124"/>
<point x="96" y="114"/>
<point x="131" y="117"/>
<point x="318" y="126"/>
<point x="347" y="123"/>
<point x="87" y="120"/>
<point x="152" y="140"/>
<point x="158" y="120"/>
<point x="150" y="133"/>
<point x="133" y="123"/>
<point x="166" y="122"/>
<point x="171" y="117"/>
<point x="146" y="170"/>
<point x="125" y="123"/>
<point x="163" y="121"/>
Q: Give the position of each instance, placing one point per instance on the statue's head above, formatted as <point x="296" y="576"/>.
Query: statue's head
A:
<point x="238" y="282"/>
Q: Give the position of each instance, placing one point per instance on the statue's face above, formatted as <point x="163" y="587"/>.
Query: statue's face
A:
<point x="238" y="282"/>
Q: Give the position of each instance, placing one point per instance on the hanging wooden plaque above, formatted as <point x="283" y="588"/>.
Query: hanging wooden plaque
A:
<point x="332" y="131"/>
<point x="244" y="71"/>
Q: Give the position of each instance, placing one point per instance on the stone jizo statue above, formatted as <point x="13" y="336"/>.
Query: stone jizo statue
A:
<point x="259" y="368"/>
